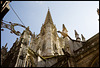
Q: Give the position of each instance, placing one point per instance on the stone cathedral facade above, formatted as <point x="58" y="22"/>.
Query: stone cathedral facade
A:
<point x="47" y="49"/>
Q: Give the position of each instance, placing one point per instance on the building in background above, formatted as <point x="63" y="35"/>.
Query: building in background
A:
<point x="47" y="49"/>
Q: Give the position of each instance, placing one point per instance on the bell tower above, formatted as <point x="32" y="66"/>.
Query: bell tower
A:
<point x="49" y="44"/>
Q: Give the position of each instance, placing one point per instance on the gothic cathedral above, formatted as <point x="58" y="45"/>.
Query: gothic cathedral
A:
<point x="47" y="49"/>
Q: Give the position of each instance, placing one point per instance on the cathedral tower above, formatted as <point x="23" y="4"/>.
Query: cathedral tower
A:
<point x="49" y="44"/>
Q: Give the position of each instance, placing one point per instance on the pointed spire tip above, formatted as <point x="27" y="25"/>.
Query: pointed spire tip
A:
<point x="76" y="32"/>
<point x="48" y="8"/>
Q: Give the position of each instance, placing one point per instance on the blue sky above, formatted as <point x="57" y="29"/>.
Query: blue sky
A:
<point x="76" y="15"/>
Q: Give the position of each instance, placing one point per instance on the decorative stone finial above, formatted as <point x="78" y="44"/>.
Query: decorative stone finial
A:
<point x="27" y="28"/>
<point x="76" y="33"/>
<point x="77" y="36"/>
<point x="83" y="38"/>
<point x="64" y="31"/>
<point x="6" y="45"/>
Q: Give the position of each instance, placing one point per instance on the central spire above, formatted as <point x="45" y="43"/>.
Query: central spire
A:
<point x="48" y="17"/>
